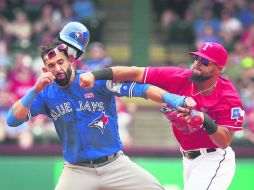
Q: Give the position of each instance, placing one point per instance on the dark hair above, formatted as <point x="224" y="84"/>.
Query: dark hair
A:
<point x="45" y="48"/>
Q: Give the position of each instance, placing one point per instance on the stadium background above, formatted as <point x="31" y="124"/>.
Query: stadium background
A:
<point x="141" y="33"/>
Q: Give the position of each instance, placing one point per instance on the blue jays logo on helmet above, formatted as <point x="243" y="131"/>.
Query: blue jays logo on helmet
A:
<point x="75" y="34"/>
<point x="78" y="35"/>
<point x="100" y="122"/>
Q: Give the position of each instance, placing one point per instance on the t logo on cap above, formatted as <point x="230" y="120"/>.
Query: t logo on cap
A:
<point x="207" y="44"/>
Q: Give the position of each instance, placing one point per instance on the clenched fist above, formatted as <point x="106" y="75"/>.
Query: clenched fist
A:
<point x="187" y="122"/>
<point x="86" y="80"/>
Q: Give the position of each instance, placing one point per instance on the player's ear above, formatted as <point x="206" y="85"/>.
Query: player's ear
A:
<point x="71" y="58"/>
<point x="219" y="69"/>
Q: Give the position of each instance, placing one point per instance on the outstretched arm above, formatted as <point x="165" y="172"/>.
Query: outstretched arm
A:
<point x="117" y="74"/>
<point x="132" y="89"/>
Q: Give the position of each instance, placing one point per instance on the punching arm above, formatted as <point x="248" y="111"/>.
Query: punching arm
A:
<point x="117" y="74"/>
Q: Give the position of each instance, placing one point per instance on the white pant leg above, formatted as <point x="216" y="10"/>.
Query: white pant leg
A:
<point x="210" y="171"/>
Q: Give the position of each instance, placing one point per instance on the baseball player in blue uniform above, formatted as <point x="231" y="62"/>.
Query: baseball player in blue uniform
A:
<point x="86" y="122"/>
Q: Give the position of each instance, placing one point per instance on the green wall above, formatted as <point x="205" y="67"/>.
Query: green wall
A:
<point x="27" y="173"/>
<point x="41" y="173"/>
<point x="140" y="32"/>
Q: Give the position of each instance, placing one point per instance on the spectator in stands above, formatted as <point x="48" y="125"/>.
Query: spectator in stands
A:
<point x="47" y="25"/>
<point x="32" y="7"/>
<point x="20" y="79"/>
<point x="168" y="19"/>
<point x="247" y="13"/>
<point x="206" y="18"/>
<point x="187" y="24"/>
<point x="6" y="100"/>
<point x="231" y="28"/>
<point x="240" y="51"/>
<point x="68" y="14"/>
<point x="247" y="95"/>
<point x="207" y="35"/>
<point x="177" y="6"/>
<point x="200" y="5"/>
<point x="21" y="135"/>
<point x="4" y="49"/>
<point x="19" y="31"/>
<point x="247" y="80"/>
<point x="91" y="16"/>
<point x="180" y="31"/>
<point x="98" y="57"/>
<point x="248" y="38"/>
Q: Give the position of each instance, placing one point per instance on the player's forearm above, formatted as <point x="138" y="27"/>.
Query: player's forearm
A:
<point x="156" y="94"/>
<point x="18" y="112"/>
<point x="222" y="137"/>
<point x="161" y="96"/>
<point x="121" y="73"/>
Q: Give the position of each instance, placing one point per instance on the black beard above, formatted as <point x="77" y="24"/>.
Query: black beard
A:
<point x="198" y="79"/>
<point x="66" y="80"/>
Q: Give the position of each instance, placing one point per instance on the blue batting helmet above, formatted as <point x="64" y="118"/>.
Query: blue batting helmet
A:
<point x="76" y="35"/>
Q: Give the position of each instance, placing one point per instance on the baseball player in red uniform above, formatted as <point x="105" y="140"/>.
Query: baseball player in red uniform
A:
<point x="204" y="134"/>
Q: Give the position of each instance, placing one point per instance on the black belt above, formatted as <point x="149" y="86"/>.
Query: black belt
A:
<point x="101" y="160"/>
<point x="195" y="153"/>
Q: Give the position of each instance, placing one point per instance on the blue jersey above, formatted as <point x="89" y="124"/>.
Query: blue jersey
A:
<point x="85" y="120"/>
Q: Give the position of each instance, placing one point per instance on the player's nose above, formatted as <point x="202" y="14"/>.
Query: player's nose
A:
<point x="197" y="63"/>
<point x="58" y="68"/>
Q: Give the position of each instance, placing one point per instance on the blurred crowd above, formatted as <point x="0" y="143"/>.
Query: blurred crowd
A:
<point x="25" y="24"/>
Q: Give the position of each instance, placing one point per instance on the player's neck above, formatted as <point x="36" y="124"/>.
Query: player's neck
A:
<point x="204" y="88"/>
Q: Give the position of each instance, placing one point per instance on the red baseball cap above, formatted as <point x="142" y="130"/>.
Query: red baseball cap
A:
<point x="214" y="52"/>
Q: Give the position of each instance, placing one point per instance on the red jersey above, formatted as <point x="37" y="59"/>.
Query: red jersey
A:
<point x="223" y="105"/>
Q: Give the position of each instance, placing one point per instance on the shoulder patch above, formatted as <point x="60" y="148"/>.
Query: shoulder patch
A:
<point x="113" y="86"/>
<point x="238" y="114"/>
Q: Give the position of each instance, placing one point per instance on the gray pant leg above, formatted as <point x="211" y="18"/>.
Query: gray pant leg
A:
<point x="119" y="174"/>
<point x="78" y="178"/>
<point x="123" y="174"/>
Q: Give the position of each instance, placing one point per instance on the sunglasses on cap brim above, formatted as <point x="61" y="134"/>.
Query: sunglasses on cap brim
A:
<point x="204" y="61"/>
<point x="52" y="53"/>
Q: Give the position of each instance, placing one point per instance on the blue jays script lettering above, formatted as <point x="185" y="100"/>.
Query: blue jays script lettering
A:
<point x="66" y="108"/>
